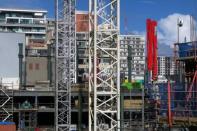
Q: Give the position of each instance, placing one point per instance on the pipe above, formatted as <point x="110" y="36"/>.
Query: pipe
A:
<point x="20" y="56"/>
<point x="154" y="38"/>
<point x="169" y="106"/>
<point x="149" y="44"/>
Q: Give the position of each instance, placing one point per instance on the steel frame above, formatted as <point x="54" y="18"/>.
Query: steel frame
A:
<point x="6" y="103"/>
<point x="65" y="61"/>
<point x="104" y="65"/>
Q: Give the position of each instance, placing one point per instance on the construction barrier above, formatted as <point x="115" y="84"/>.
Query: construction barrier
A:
<point x="7" y="126"/>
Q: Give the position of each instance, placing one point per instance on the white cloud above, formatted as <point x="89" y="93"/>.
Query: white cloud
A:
<point x="167" y="32"/>
<point x="167" y="29"/>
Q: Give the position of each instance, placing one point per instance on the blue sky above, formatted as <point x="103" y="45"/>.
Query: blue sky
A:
<point x="135" y="11"/>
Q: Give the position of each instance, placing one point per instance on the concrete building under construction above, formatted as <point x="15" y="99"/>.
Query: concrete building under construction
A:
<point x="77" y="73"/>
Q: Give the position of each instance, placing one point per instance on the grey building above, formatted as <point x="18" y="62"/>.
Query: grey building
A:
<point x="137" y="55"/>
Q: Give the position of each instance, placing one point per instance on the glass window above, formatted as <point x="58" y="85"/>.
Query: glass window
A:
<point x="12" y="21"/>
<point x="26" y="21"/>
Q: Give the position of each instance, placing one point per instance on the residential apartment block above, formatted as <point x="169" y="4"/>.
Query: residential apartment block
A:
<point x="166" y="66"/>
<point x="136" y="52"/>
<point x="30" y="22"/>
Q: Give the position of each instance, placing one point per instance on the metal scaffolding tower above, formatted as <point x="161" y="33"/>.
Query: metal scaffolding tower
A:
<point x="6" y="102"/>
<point x="65" y="61"/>
<point x="104" y="65"/>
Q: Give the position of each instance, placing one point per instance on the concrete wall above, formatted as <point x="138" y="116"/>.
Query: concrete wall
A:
<point x="36" y="70"/>
<point x="9" y="62"/>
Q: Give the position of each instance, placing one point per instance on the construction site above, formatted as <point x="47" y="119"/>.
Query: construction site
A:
<point x="77" y="72"/>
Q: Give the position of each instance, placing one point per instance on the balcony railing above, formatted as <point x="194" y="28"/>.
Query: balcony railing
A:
<point x="24" y="21"/>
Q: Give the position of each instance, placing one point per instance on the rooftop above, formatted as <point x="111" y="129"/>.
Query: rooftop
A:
<point x="132" y="35"/>
<point x="81" y="12"/>
<point x="23" y="10"/>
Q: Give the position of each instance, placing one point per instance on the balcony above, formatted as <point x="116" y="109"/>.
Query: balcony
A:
<point x="26" y="22"/>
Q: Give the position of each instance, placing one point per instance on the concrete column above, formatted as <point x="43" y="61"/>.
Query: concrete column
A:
<point x="49" y="65"/>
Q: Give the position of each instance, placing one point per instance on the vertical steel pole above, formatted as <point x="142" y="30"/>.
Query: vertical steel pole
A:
<point x="118" y="64"/>
<point x="169" y="106"/>
<point x="56" y="73"/>
<point x="95" y="65"/>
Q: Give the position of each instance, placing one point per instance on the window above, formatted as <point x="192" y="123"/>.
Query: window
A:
<point x="80" y="61"/>
<point x="26" y="21"/>
<point x="12" y="21"/>
<point x="37" y="66"/>
<point x="85" y="17"/>
<point x="30" y="66"/>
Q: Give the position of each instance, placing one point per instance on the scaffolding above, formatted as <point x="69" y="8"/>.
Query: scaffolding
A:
<point x="104" y="65"/>
<point x="6" y="102"/>
<point x="183" y="93"/>
<point x="65" y="61"/>
<point x="150" y="105"/>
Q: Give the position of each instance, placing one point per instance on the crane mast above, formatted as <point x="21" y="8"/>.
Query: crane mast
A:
<point x="104" y="65"/>
<point x="65" y="61"/>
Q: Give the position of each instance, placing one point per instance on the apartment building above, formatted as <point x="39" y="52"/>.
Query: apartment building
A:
<point x="136" y="55"/>
<point x="82" y="40"/>
<point x="30" y="22"/>
<point x="166" y="66"/>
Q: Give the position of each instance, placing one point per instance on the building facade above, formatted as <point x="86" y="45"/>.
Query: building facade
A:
<point x="82" y="40"/>
<point x="136" y="52"/>
<point x="33" y="24"/>
<point x="166" y="66"/>
<point x="30" y="22"/>
<point x="82" y="34"/>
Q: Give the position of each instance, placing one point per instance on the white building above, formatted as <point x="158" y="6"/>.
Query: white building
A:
<point x="30" y="22"/>
<point x="137" y="44"/>
<point x="166" y="66"/>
